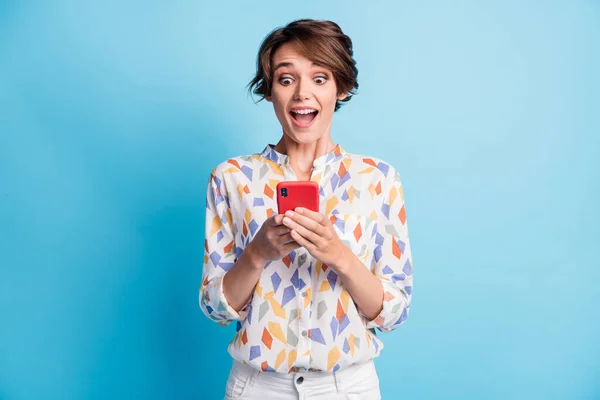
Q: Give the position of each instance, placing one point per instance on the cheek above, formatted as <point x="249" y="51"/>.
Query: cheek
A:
<point x="329" y="104"/>
<point x="279" y="99"/>
<point x="280" y="112"/>
<point x="278" y="105"/>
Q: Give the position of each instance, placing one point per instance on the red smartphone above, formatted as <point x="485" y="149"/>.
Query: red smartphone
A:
<point x="292" y="194"/>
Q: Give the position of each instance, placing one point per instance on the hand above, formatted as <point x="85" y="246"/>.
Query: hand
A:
<point x="272" y="242"/>
<point x="315" y="233"/>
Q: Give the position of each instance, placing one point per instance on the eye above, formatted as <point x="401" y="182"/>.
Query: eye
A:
<point x="285" y="81"/>
<point x="321" y="80"/>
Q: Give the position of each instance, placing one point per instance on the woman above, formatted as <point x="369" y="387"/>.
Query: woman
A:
<point x="307" y="289"/>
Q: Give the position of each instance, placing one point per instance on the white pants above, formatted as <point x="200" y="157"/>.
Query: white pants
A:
<point x="357" y="382"/>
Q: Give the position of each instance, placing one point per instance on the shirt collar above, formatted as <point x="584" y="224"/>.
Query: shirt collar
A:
<point x="282" y="159"/>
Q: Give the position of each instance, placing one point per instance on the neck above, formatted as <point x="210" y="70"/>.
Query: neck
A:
<point x="302" y="155"/>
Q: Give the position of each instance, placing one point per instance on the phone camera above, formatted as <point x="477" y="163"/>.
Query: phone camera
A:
<point x="284" y="192"/>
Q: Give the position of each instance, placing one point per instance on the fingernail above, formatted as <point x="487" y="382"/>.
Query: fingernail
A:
<point x="299" y="210"/>
<point x="289" y="213"/>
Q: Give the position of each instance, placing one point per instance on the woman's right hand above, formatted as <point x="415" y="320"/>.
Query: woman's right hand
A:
<point x="272" y="241"/>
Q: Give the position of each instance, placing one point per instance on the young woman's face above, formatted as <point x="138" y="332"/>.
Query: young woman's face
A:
<point x="303" y="95"/>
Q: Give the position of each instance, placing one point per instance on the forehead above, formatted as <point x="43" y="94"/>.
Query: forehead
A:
<point x="289" y="53"/>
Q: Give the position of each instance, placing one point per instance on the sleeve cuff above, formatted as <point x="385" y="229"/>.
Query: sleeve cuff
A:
<point x="394" y="311"/>
<point x="217" y="305"/>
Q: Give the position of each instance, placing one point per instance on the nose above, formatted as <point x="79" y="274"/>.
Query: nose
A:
<point x="302" y="90"/>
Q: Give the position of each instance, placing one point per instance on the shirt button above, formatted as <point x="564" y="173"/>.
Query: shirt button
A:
<point x="300" y="380"/>
<point x="304" y="294"/>
<point x="304" y="333"/>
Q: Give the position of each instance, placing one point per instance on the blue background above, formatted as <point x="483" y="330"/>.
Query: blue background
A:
<point x="112" y="117"/>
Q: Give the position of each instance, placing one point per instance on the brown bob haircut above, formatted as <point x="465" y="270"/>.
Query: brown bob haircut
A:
<point x="323" y="42"/>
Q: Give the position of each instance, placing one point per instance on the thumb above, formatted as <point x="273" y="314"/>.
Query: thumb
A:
<point x="276" y="219"/>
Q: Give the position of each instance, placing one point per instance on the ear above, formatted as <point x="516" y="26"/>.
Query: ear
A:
<point x="269" y="99"/>
<point x="342" y="96"/>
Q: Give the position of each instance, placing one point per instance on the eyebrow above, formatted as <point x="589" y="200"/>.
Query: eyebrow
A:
<point x="289" y="64"/>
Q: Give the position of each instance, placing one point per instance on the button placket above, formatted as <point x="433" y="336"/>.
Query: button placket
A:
<point x="304" y="320"/>
<point x="302" y="310"/>
<point x="303" y="361"/>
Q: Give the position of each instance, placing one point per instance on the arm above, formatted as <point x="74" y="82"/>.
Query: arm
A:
<point x="364" y="287"/>
<point x="273" y="241"/>
<point x="239" y="282"/>
<point x="382" y="296"/>
<point x="228" y="282"/>
<point x="219" y="255"/>
<point x="392" y="260"/>
<point x="316" y="233"/>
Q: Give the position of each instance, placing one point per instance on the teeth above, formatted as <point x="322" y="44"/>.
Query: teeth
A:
<point x="304" y="111"/>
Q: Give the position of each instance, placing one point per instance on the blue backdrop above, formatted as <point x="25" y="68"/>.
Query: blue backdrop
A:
<point x="113" y="115"/>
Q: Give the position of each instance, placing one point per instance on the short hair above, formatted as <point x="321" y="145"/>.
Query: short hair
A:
<point x="323" y="42"/>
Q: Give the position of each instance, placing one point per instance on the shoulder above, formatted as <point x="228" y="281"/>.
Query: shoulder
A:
<point x="378" y="167"/>
<point x="244" y="163"/>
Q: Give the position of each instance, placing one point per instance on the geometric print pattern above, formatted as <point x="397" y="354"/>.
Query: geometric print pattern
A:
<point x="300" y="317"/>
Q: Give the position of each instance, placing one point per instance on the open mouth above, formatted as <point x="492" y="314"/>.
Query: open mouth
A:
<point x="304" y="118"/>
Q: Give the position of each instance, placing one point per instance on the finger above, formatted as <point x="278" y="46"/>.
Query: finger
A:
<point x="285" y="239"/>
<point x="275" y="220"/>
<point x="315" y="216"/>
<point x="302" y="241"/>
<point x="280" y="230"/>
<point x="305" y="232"/>
<point x="306" y="222"/>
<point x="290" y="247"/>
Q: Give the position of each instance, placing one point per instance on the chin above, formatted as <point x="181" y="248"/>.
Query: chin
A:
<point x="303" y="137"/>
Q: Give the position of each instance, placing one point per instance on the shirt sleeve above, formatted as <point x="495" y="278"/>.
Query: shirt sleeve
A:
<point x="219" y="255"/>
<point x="392" y="262"/>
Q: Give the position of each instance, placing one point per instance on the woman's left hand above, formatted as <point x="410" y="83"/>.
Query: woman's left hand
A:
<point x="315" y="233"/>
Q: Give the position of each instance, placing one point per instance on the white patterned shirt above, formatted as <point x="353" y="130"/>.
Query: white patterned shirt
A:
<point x="300" y="317"/>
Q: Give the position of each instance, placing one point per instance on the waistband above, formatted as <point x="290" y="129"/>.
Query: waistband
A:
<point x="340" y="378"/>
